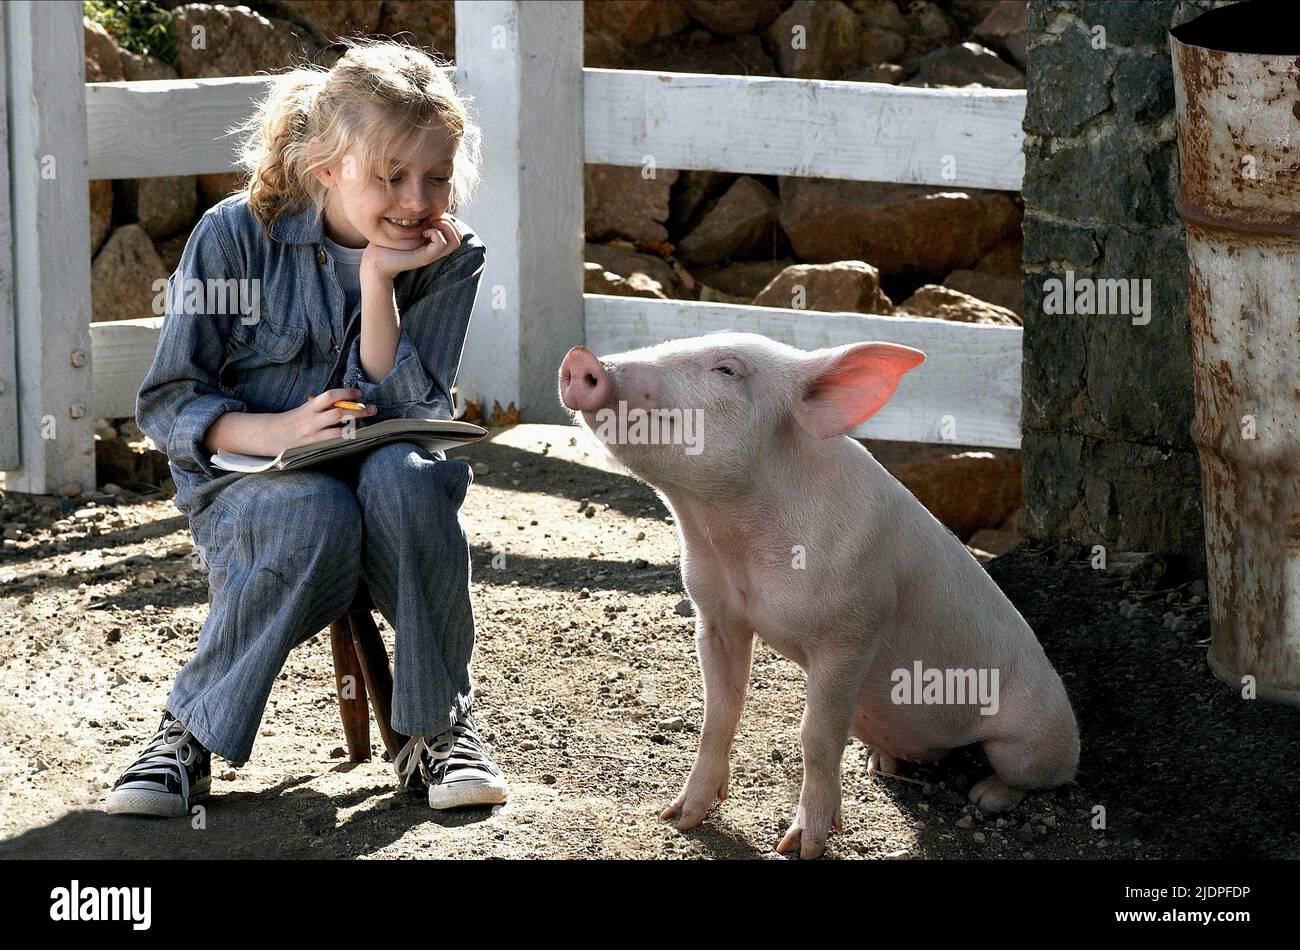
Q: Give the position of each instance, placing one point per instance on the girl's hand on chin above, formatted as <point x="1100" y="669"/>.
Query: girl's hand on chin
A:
<point x="444" y="237"/>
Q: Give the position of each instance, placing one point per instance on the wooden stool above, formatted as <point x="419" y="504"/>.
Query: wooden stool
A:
<point x="361" y="671"/>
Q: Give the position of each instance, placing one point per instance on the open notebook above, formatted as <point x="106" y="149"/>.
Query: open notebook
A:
<point x="433" y="434"/>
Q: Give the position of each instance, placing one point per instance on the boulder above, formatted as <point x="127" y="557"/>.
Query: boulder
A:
<point x="928" y="28"/>
<point x="834" y="41"/>
<point x="330" y="18"/>
<point x="170" y="249"/>
<point x="728" y="18"/>
<point x="742" y="280"/>
<point x="621" y="202"/>
<point x="1006" y="292"/>
<point x="943" y="303"/>
<point x="967" y="491"/>
<point x="880" y="15"/>
<point x="842" y="286"/>
<point x="103" y="58"/>
<point x="603" y="51"/>
<point x="123" y="274"/>
<point x="101" y="212"/>
<point x="1006" y="260"/>
<point x="691" y="194"/>
<point x="214" y="187"/>
<point x="635" y="22"/>
<point x="966" y="65"/>
<point x="994" y="541"/>
<point x="628" y="263"/>
<point x="597" y="280"/>
<point x="139" y="67"/>
<point x="1004" y="30"/>
<point x="888" y="73"/>
<point x="162" y="206"/>
<point x="968" y="13"/>
<point x="429" y="24"/>
<point x="742" y="222"/>
<point x="127" y="462"/>
<point x="902" y="229"/>
<point x="215" y="40"/>
<point x="702" y="53"/>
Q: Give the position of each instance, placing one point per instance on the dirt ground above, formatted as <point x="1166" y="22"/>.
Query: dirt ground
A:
<point x="589" y="692"/>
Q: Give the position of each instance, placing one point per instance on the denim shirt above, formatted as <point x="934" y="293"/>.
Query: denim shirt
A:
<point x="288" y="337"/>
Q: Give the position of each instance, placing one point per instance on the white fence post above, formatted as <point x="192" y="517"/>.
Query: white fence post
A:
<point x="45" y="50"/>
<point x="8" y="371"/>
<point x="522" y="63"/>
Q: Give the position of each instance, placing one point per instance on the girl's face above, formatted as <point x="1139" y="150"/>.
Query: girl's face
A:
<point x="359" y="211"/>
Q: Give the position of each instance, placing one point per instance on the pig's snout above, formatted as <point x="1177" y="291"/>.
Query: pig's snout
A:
<point x="584" y="384"/>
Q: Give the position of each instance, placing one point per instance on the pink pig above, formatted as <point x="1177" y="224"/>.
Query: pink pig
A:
<point x="791" y="530"/>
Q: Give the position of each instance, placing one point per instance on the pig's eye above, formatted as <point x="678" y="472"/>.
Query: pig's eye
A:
<point x="726" y="369"/>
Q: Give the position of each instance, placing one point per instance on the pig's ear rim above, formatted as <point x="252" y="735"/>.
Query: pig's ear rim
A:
<point x="820" y="424"/>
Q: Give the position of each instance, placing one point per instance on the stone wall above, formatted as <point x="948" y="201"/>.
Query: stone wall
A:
<point x="1107" y="451"/>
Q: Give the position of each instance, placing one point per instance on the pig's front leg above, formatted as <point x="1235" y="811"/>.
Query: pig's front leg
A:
<point x="726" y="651"/>
<point x="833" y="687"/>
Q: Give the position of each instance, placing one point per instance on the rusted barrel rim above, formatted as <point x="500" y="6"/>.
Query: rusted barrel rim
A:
<point x="1218" y="37"/>
<point x="1194" y="214"/>
<point x="1240" y="28"/>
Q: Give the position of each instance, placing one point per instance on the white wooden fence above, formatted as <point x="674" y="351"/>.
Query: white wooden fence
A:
<point x="543" y="116"/>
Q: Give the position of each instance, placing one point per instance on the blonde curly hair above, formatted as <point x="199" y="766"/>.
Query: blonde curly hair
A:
<point x="378" y="95"/>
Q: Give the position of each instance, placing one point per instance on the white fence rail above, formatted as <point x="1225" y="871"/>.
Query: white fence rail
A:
<point x="756" y="125"/>
<point x="543" y="117"/>
<point x="967" y="391"/>
<point x="806" y="127"/>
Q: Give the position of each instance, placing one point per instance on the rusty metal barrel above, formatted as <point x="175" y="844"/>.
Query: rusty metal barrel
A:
<point x="1237" y="94"/>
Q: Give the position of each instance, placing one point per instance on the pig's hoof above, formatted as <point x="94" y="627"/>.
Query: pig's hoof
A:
<point x="687" y="810"/>
<point x="806" y="843"/>
<point x="993" y="795"/>
<point x="881" y="762"/>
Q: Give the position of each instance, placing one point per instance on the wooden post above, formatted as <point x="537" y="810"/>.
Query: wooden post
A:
<point x="47" y="157"/>
<point x="350" y="685"/>
<point x="522" y="63"/>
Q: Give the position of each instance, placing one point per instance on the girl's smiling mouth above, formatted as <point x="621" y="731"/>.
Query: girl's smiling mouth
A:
<point x="411" y="227"/>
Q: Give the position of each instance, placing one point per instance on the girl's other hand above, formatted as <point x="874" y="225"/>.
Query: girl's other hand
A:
<point x="317" y="419"/>
<point x="444" y="237"/>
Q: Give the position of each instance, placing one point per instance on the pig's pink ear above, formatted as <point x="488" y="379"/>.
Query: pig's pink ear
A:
<point x="847" y="385"/>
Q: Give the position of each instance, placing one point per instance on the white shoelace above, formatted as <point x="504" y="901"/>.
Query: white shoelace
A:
<point x="170" y="751"/>
<point x="421" y="752"/>
<point x="410" y="758"/>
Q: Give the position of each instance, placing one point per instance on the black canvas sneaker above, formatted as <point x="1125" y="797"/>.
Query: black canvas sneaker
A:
<point x="172" y="773"/>
<point x="455" y="766"/>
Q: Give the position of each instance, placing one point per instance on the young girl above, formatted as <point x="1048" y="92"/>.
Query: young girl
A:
<point x="337" y="274"/>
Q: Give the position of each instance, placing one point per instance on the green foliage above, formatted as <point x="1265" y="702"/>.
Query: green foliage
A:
<point x="140" y="26"/>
